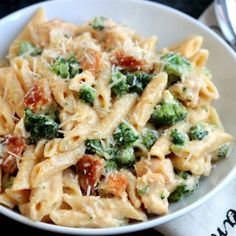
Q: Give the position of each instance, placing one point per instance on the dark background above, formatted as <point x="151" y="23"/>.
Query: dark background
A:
<point x="190" y="7"/>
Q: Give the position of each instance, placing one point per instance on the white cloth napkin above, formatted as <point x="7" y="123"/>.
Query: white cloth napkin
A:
<point x="216" y="217"/>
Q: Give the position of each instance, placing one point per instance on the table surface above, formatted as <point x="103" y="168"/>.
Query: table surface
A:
<point x="191" y="7"/>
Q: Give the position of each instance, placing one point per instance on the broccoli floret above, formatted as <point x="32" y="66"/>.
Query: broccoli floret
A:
<point x="122" y="84"/>
<point x="61" y="68"/>
<point x="27" y="48"/>
<point x="119" y="89"/>
<point x="197" y="132"/>
<point x="66" y="68"/>
<point x="111" y="165"/>
<point x="40" y="126"/>
<point x="175" y="64"/>
<point x="98" y="23"/>
<point x="183" y="174"/>
<point x="119" y="86"/>
<point x="94" y="146"/>
<point x="168" y="113"/>
<point x="138" y="81"/>
<point x="188" y="186"/>
<point x="149" y="137"/>
<point x="125" y="135"/>
<point x="178" y="194"/>
<point x="223" y="151"/>
<point x="87" y="94"/>
<point x="120" y="156"/>
<point x="74" y="66"/>
<point x="178" y="138"/>
<point x="125" y="157"/>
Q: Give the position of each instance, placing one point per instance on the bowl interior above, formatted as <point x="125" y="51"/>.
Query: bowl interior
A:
<point x="170" y="26"/>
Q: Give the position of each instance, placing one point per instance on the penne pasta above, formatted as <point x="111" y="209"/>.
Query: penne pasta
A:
<point x="46" y="197"/>
<point x="118" y="112"/>
<point x="150" y="97"/>
<point x="22" y="179"/>
<point x="55" y="164"/>
<point x="6" y="201"/>
<point x="120" y="208"/>
<point x="200" y="58"/>
<point x="189" y="47"/>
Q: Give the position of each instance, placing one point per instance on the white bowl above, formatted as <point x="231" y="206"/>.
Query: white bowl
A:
<point x="170" y="26"/>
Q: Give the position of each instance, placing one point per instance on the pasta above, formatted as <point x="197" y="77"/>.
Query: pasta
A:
<point x="95" y="122"/>
<point x="150" y="97"/>
<point x="46" y="197"/>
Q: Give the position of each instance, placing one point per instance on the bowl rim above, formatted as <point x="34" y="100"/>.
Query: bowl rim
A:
<point x="140" y="225"/>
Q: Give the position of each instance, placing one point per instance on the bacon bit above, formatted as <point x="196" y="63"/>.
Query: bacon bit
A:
<point x="114" y="183"/>
<point x="9" y="164"/>
<point x="125" y="61"/>
<point x="37" y="96"/>
<point x="89" y="170"/>
<point x="91" y="61"/>
<point x="14" y="147"/>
